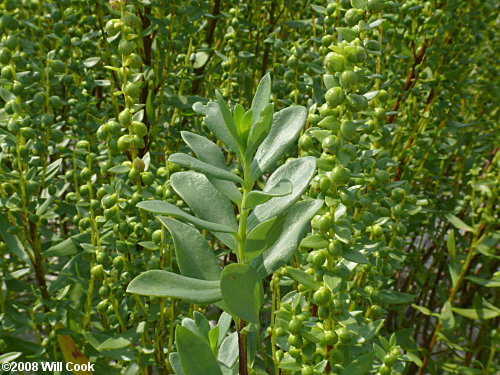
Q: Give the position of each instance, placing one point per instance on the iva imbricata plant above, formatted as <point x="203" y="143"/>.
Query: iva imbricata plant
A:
<point x="263" y="235"/>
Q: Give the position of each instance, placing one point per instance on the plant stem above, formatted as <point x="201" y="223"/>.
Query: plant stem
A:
<point x="242" y="345"/>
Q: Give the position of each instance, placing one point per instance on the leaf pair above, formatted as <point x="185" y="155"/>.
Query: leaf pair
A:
<point x="215" y="352"/>
<point x="269" y="136"/>
<point x="240" y="130"/>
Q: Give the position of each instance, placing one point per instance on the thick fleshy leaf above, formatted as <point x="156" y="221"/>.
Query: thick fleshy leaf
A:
<point x="165" y="208"/>
<point x="193" y="253"/>
<point x="285" y="130"/>
<point x="208" y="152"/>
<point x="458" y="223"/>
<point x="299" y="172"/>
<point x="256" y="197"/>
<point x="175" y="362"/>
<point x="245" y="124"/>
<point x="13" y="244"/>
<point x="206" y="202"/>
<point x="223" y="323"/>
<point x="238" y="113"/>
<point x="202" y="324"/>
<point x="262" y="236"/>
<point x="205" y="149"/>
<point x="228" y="351"/>
<point x="303" y="278"/>
<point x="482" y="313"/>
<point x="195" y="354"/>
<point x="354" y="256"/>
<point x="259" y="130"/>
<point x="447" y="319"/>
<point x="167" y="284"/>
<point x="296" y="221"/>
<point x="242" y="291"/>
<point x="228" y="118"/>
<point x="261" y="97"/>
<point x="343" y="234"/>
<point x="361" y="365"/>
<point x="188" y="161"/>
<point x="314" y="241"/>
<point x="215" y="122"/>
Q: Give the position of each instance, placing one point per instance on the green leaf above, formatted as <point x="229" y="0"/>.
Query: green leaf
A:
<point x="346" y="33"/>
<point x="289" y="363"/>
<point x="209" y="153"/>
<point x="193" y="253"/>
<point x="314" y="241"/>
<point x="394" y="297"/>
<point x="405" y="338"/>
<point x="223" y="323"/>
<point x="150" y="112"/>
<point x="458" y="223"/>
<point x="360" y="366"/>
<point x="297" y="171"/>
<point x="360" y="4"/>
<point x="255" y="198"/>
<point x="479" y="313"/>
<point x="413" y="356"/>
<point x="296" y="221"/>
<point x="489" y="246"/>
<point x="228" y="351"/>
<point x="9" y="357"/>
<point x="167" y="284"/>
<point x="262" y="236"/>
<point x="176" y="363"/>
<point x="200" y="59"/>
<point x="202" y="324"/>
<point x="493" y="283"/>
<point x="303" y="278"/>
<point x="91" y="61"/>
<point x="244" y="126"/>
<point x="450" y="243"/>
<point x="206" y="202"/>
<point x="298" y="24"/>
<point x="318" y="8"/>
<point x="63" y="248"/>
<point x="213" y="337"/>
<point x="228" y="119"/>
<point x="261" y="97"/>
<point x="165" y="208"/>
<point x="285" y="130"/>
<point x="343" y="234"/>
<point x="215" y="122"/>
<point x="242" y="291"/>
<point x="259" y="130"/>
<point x="6" y="95"/>
<point x="13" y="243"/>
<point x="238" y="113"/>
<point x="114" y="343"/>
<point x="424" y="310"/>
<point x="340" y="211"/>
<point x="195" y="354"/>
<point x="188" y="161"/>
<point x="454" y="270"/>
<point x="119" y="169"/>
<point x="447" y="318"/>
<point x="379" y="352"/>
<point x="354" y="256"/>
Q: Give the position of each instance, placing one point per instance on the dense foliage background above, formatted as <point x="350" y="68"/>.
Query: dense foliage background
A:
<point x="399" y="271"/>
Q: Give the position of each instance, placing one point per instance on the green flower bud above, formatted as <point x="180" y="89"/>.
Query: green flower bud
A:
<point x="334" y="62"/>
<point x="334" y="96"/>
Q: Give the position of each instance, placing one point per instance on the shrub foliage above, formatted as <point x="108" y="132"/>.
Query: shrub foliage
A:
<point x="250" y="187"/>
